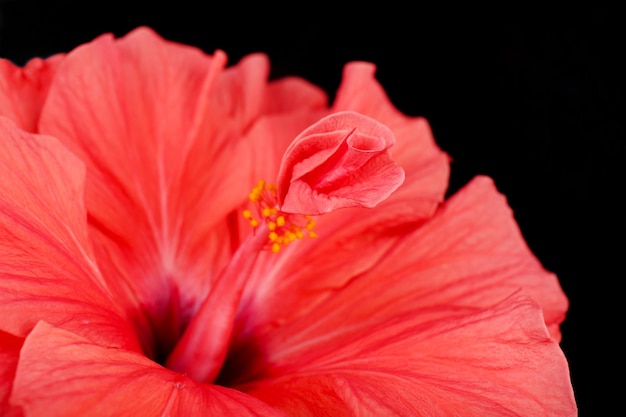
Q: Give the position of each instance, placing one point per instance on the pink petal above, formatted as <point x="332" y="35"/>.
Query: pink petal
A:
<point x="9" y="352"/>
<point x="157" y="125"/>
<point x="426" y="166"/>
<point x="473" y="254"/>
<point x="23" y="90"/>
<point x="498" y="361"/>
<point x="340" y="161"/>
<point x="63" y="374"/>
<point x="291" y="105"/>
<point x="47" y="269"/>
<point x="293" y="95"/>
<point x="469" y="255"/>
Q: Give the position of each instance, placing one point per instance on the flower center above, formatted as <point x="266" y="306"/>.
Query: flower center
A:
<point x="203" y="347"/>
<point x="283" y="228"/>
<point x="340" y="161"/>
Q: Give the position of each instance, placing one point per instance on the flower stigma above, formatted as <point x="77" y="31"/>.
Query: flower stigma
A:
<point x="283" y="228"/>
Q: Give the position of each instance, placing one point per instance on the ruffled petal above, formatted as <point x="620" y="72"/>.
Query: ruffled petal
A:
<point x="47" y="268"/>
<point x="437" y="362"/>
<point x="23" y="91"/>
<point x="63" y="374"/>
<point x="472" y="253"/>
<point x="157" y="125"/>
<point x="469" y="255"/>
<point x="425" y="165"/>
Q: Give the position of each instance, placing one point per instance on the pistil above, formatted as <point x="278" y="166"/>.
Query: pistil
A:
<point x="284" y="228"/>
<point x="340" y="161"/>
<point x="201" y="351"/>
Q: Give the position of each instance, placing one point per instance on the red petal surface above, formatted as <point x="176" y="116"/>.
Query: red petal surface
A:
<point x="425" y="165"/>
<point x="158" y="125"/>
<point x="23" y="90"/>
<point x="62" y="374"/>
<point x="46" y="265"/>
<point x="429" y="362"/>
<point x="291" y="105"/>
<point x="468" y="256"/>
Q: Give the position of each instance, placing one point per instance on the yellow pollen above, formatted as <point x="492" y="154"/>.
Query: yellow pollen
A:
<point x="284" y="228"/>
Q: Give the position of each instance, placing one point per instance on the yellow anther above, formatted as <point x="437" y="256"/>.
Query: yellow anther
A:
<point x="282" y="228"/>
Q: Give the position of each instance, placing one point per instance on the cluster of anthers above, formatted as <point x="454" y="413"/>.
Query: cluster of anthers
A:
<point x="284" y="228"/>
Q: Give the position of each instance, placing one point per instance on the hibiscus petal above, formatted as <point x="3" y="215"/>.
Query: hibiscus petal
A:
<point x="340" y="161"/>
<point x="158" y="124"/>
<point x="63" y="374"/>
<point x="498" y="361"/>
<point x="469" y="255"/>
<point x="291" y="104"/>
<point x="473" y="254"/>
<point x="293" y="94"/>
<point x="46" y="268"/>
<point x="23" y="90"/>
<point x="425" y="165"/>
<point x="9" y="352"/>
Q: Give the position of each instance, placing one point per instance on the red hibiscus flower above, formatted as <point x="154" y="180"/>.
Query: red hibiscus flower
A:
<point x="182" y="238"/>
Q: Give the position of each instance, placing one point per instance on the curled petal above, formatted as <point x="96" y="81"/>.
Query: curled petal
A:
<point x="340" y="161"/>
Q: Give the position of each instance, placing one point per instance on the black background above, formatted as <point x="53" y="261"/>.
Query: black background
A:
<point x="532" y="97"/>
